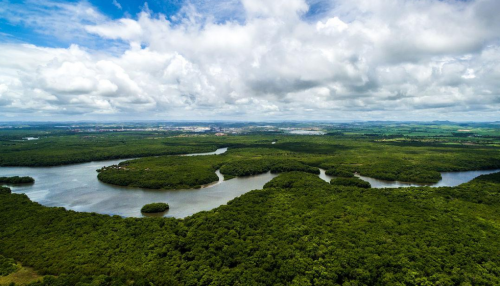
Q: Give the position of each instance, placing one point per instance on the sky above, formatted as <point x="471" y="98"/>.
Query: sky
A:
<point x="255" y="60"/>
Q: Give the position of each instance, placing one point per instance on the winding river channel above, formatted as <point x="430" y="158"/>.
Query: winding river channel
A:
<point x="76" y="187"/>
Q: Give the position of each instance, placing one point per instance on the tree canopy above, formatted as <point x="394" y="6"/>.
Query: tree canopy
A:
<point x="155" y="208"/>
<point x="298" y="230"/>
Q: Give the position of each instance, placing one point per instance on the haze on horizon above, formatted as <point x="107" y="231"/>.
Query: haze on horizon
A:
<point x="250" y="60"/>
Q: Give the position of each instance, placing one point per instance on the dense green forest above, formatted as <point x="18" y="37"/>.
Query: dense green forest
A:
<point x="298" y="230"/>
<point x="16" y="180"/>
<point x="340" y="156"/>
<point x="259" y="166"/>
<point x="350" y="182"/>
<point x="166" y="172"/>
<point x="5" y="190"/>
<point x="404" y="152"/>
<point x="71" y="149"/>
<point x="339" y="172"/>
<point x="7" y="266"/>
<point x="155" y="208"/>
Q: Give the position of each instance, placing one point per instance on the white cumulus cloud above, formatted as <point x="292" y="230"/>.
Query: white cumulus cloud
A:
<point x="363" y="59"/>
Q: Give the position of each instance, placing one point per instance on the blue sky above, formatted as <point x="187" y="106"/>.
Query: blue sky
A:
<point x="14" y="31"/>
<point x="19" y="31"/>
<point x="250" y="60"/>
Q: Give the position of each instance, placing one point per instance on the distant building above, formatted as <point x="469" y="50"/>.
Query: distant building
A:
<point x="220" y="134"/>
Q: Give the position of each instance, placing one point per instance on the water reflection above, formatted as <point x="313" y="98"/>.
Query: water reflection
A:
<point x="76" y="187"/>
<point x="449" y="179"/>
<point x="306" y="132"/>
<point x="216" y="152"/>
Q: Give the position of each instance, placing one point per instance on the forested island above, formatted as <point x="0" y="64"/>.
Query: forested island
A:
<point x="155" y="208"/>
<point x="297" y="230"/>
<point x="16" y="180"/>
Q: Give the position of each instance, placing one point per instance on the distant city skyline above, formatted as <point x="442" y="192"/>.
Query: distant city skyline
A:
<point x="250" y="60"/>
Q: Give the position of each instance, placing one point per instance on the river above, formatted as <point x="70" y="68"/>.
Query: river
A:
<point x="76" y="187"/>
<point x="448" y="179"/>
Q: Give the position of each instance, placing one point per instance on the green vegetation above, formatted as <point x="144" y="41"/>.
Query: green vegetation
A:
<point x="5" y="190"/>
<point x="388" y="151"/>
<point x="22" y="276"/>
<point x="16" y="180"/>
<point x="403" y="173"/>
<point x="294" y="180"/>
<point x="339" y="172"/>
<point x="7" y="266"/>
<point x="298" y="230"/>
<point x="166" y="172"/>
<point x="71" y="149"/>
<point x="350" y="182"/>
<point x="482" y="190"/>
<point x="155" y="208"/>
<point x="180" y="172"/>
<point x="13" y="181"/>
<point x="254" y="167"/>
<point x="341" y="156"/>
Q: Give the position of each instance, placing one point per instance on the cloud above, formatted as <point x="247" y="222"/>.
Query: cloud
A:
<point x="63" y="20"/>
<point x="117" y="4"/>
<point x="360" y="59"/>
<point x="125" y="29"/>
<point x="277" y="9"/>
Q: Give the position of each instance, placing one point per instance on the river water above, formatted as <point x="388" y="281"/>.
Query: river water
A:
<point x="449" y="179"/>
<point x="76" y="187"/>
